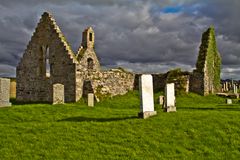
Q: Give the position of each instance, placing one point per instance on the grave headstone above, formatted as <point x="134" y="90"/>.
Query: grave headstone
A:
<point x="146" y="96"/>
<point x="229" y="101"/>
<point x="58" y="93"/>
<point x="224" y="87"/>
<point x="90" y="99"/>
<point x="170" y="99"/>
<point x="161" y="100"/>
<point x="227" y="86"/>
<point x="234" y="89"/>
<point x="4" y="92"/>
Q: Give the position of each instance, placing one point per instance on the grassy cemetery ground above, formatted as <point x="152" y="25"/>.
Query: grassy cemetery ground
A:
<point x="202" y="128"/>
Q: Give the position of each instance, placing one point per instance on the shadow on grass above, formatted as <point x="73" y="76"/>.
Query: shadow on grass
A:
<point x="15" y="102"/>
<point x="230" y="108"/>
<point x="91" y="119"/>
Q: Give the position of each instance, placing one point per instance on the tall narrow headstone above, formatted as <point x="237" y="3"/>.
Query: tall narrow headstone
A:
<point x="161" y="100"/>
<point x="224" y="87"/>
<point x="58" y="93"/>
<point x="4" y="92"/>
<point x="90" y="99"/>
<point x="146" y="96"/>
<point x="170" y="98"/>
<point x="234" y="89"/>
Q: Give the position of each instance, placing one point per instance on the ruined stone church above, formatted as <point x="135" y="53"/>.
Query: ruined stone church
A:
<point x="49" y="59"/>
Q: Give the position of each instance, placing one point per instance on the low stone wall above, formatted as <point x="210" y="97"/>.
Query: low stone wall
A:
<point x="196" y="83"/>
<point x="159" y="81"/>
<point x="112" y="83"/>
<point x="181" y="81"/>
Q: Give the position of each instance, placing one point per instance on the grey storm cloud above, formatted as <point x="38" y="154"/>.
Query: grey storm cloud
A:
<point x="136" y="34"/>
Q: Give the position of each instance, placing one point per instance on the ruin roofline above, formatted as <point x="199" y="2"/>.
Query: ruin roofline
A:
<point x="74" y="56"/>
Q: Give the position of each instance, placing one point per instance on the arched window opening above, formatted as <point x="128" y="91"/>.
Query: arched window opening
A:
<point x="90" y="63"/>
<point x="40" y="62"/>
<point x="90" y="36"/>
<point x="48" y="68"/>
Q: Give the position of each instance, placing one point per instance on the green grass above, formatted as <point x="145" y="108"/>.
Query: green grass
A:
<point x="202" y="128"/>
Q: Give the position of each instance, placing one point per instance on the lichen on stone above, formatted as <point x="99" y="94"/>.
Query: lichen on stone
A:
<point x="209" y="62"/>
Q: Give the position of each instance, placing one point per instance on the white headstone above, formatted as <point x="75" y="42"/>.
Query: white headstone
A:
<point x="161" y="100"/>
<point x="90" y="99"/>
<point x="58" y="93"/>
<point x="234" y="89"/>
<point x="229" y="101"/>
<point x="146" y="96"/>
<point x="4" y="92"/>
<point x="228" y="86"/>
<point x="170" y="98"/>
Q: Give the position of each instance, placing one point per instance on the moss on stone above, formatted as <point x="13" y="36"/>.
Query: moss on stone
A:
<point x="209" y="60"/>
<point x="178" y="77"/>
<point x="81" y="53"/>
<point x="99" y="94"/>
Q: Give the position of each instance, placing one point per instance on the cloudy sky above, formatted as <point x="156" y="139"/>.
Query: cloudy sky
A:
<point x="141" y="35"/>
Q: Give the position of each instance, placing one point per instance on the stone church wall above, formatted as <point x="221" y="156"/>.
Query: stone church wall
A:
<point x="208" y="66"/>
<point x="106" y="83"/>
<point x="49" y="59"/>
<point x="33" y="84"/>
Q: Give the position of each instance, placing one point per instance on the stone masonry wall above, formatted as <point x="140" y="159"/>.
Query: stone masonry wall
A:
<point x="32" y="82"/>
<point x="4" y="92"/>
<point x="88" y="66"/>
<point x="181" y="81"/>
<point x="80" y="73"/>
<point x="208" y="66"/>
<point x="107" y="83"/>
<point x="196" y="82"/>
<point x="112" y="83"/>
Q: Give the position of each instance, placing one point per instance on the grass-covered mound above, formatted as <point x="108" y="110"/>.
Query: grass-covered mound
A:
<point x="202" y="128"/>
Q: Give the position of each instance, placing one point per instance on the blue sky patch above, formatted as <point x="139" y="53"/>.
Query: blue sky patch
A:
<point x="172" y="9"/>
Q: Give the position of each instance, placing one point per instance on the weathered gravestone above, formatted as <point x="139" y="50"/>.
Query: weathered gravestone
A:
<point x="90" y="99"/>
<point x="58" y="93"/>
<point x="4" y="92"/>
<point x="229" y="101"/>
<point x="224" y="87"/>
<point x="170" y="98"/>
<point x="161" y="100"/>
<point x="146" y="96"/>
<point x="235" y="89"/>
<point x="227" y="87"/>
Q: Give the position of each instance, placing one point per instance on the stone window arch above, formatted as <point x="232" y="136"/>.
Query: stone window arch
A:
<point x="47" y="62"/>
<point x="41" y="62"/>
<point x="90" y="63"/>
<point x="90" y="37"/>
<point x="44" y="66"/>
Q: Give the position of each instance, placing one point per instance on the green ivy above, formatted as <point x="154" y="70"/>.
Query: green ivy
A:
<point x="176" y="76"/>
<point x="208" y="54"/>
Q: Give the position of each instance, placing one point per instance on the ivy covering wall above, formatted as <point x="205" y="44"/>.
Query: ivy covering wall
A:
<point x="209" y="61"/>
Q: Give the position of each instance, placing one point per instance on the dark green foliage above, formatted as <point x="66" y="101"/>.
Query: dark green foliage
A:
<point x="217" y="78"/>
